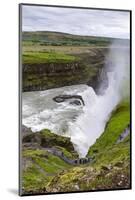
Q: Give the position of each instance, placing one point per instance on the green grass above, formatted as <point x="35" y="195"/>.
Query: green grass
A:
<point x="107" y="153"/>
<point x="42" y="168"/>
<point x="68" y="154"/>
<point x="33" y="153"/>
<point x="105" y="150"/>
<point x="56" y="140"/>
<point x="49" y="171"/>
<point x="47" y="161"/>
<point x="51" y="165"/>
<point x="33" y="179"/>
<point x="45" y="57"/>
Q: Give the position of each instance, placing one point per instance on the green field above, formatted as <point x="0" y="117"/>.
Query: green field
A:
<point x="43" y="57"/>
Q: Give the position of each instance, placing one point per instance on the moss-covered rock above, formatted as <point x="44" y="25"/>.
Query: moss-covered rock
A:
<point x="89" y="178"/>
<point x="46" y="138"/>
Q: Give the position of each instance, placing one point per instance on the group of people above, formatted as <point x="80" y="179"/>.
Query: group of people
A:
<point x="82" y="160"/>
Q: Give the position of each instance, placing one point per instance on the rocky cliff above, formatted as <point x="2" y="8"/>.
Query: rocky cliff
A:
<point x="85" y="69"/>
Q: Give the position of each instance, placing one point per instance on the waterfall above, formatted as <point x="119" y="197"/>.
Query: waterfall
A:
<point x="91" y="123"/>
<point x="83" y="123"/>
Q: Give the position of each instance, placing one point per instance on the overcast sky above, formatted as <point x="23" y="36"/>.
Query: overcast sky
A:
<point x="76" y="21"/>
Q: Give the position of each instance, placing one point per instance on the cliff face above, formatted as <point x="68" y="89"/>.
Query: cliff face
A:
<point x="85" y="69"/>
<point x="53" y="59"/>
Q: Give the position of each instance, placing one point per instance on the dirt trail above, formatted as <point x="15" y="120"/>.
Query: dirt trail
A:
<point x="61" y="155"/>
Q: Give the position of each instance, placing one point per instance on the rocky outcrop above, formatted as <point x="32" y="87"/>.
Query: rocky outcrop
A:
<point x="100" y="81"/>
<point x="52" y="75"/>
<point x="76" y="99"/>
<point x="46" y="139"/>
<point x="25" y="130"/>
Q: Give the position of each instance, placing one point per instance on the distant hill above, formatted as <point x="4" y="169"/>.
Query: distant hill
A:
<point x="57" y="38"/>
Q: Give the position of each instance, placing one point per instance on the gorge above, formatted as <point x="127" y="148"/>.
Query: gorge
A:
<point x="84" y="124"/>
<point x="75" y="107"/>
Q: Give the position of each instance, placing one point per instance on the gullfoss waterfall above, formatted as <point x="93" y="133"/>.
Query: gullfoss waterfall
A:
<point x="91" y="124"/>
<point x="82" y="123"/>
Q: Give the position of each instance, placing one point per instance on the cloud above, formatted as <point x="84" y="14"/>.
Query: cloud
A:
<point x="76" y="21"/>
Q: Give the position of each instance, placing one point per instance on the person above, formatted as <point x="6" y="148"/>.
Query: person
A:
<point x="75" y="161"/>
<point x="120" y="137"/>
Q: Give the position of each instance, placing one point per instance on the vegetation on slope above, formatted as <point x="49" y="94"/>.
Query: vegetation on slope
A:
<point x="40" y="168"/>
<point x="87" y="178"/>
<point x="106" y="150"/>
<point x="110" y="168"/>
<point x="57" y="38"/>
<point x="41" y="165"/>
<point x="47" y="139"/>
<point x="111" y="165"/>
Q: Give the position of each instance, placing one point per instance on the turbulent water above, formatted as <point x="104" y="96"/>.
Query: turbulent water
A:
<point x="41" y="111"/>
<point x="83" y="123"/>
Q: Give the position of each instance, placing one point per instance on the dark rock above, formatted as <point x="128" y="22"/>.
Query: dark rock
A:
<point x="62" y="98"/>
<point x="25" y="130"/>
<point x="95" y="151"/>
<point x="119" y="164"/>
<point x="105" y="168"/>
<point x="75" y="102"/>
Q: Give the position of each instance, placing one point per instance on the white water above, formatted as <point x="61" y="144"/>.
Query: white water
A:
<point x="91" y="124"/>
<point x="84" y="124"/>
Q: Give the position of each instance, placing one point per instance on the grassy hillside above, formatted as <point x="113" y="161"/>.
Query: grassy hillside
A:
<point x="111" y="166"/>
<point x="57" y="38"/>
<point x="39" y="164"/>
<point x="41" y="167"/>
<point x="106" y="150"/>
<point x="44" y="172"/>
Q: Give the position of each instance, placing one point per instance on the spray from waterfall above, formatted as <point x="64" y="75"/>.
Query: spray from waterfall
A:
<point x="91" y="124"/>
